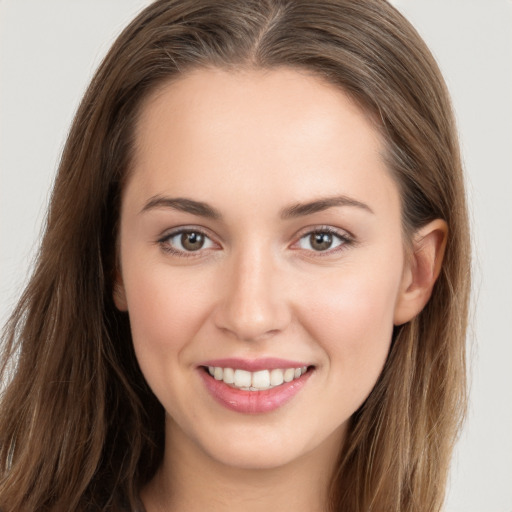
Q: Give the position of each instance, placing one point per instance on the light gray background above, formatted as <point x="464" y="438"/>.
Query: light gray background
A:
<point x="48" y="52"/>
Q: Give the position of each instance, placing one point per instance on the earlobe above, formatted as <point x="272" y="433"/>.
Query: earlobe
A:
<point x="118" y="293"/>
<point x="422" y="270"/>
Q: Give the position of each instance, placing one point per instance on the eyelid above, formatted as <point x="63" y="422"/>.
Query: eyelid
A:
<point x="347" y="239"/>
<point x="163" y="241"/>
<point x="345" y="236"/>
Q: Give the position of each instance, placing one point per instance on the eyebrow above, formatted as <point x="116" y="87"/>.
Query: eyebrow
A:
<point x="319" y="205"/>
<point x="297" y="210"/>
<point x="182" y="204"/>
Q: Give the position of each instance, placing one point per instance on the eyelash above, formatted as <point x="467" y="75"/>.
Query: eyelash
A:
<point x="345" y="241"/>
<point x="164" y="243"/>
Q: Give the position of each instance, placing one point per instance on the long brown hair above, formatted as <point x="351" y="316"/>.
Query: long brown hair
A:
<point x="79" y="428"/>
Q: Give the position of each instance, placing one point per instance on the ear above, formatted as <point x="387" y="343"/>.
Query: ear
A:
<point x="421" y="270"/>
<point x="118" y="293"/>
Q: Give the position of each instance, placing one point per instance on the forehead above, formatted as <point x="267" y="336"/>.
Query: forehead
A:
<point x="281" y="133"/>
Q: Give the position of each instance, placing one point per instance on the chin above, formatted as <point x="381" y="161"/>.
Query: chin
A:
<point x="266" y="449"/>
<point x="262" y="458"/>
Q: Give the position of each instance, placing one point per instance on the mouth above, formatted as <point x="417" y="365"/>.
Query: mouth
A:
<point x="260" y="380"/>
<point x="257" y="387"/>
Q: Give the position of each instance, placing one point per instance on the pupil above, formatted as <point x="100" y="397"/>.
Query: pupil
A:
<point x="192" y="241"/>
<point x="321" y="241"/>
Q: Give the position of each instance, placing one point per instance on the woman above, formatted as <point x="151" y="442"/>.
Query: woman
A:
<point x="253" y="285"/>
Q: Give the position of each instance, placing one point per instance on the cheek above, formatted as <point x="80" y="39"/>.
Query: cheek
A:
<point x="351" y="316"/>
<point x="166" y="309"/>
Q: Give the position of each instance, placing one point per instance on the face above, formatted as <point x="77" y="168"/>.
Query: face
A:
<point x="261" y="261"/>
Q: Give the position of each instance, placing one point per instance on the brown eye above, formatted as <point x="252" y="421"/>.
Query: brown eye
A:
<point x="192" y="241"/>
<point x="182" y="242"/>
<point x="323" y="240"/>
<point x="320" y="241"/>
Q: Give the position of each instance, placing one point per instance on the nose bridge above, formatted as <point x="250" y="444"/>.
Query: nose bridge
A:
<point x="254" y="304"/>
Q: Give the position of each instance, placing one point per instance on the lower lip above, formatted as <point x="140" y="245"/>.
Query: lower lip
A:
<point x="253" y="402"/>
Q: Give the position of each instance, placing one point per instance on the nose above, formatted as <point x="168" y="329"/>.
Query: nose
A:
<point x="253" y="303"/>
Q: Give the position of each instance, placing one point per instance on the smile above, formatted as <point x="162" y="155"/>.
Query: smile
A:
<point x="254" y="387"/>
<point x="256" y="381"/>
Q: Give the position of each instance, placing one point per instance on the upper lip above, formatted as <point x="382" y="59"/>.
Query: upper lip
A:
<point x="254" y="365"/>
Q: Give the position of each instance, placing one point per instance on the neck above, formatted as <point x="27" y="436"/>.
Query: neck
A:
<point x="190" y="480"/>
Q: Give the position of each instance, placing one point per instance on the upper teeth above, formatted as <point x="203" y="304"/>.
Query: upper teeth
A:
<point x="256" y="381"/>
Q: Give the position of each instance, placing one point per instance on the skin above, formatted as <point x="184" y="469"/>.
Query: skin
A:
<point x="252" y="145"/>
